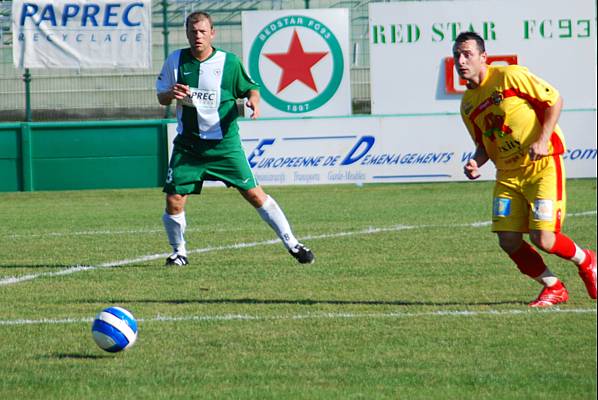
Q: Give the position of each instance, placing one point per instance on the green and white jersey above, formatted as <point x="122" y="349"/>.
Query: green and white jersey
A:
<point x="211" y="111"/>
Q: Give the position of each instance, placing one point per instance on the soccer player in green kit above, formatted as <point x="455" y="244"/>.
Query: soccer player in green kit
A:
<point x="205" y="82"/>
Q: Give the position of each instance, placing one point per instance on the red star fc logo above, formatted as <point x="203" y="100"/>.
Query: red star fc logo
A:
<point x="296" y="64"/>
<point x="293" y="77"/>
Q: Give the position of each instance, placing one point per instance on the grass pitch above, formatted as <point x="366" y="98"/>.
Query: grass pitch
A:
<point x="410" y="297"/>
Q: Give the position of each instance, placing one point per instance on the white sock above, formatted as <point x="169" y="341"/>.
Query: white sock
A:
<point x="547" y="278"/>
<point x="273" y="215"/>
<point x="175" y="230"/>
<point x="580" y="255"/>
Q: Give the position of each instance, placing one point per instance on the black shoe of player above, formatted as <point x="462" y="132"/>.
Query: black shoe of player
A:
<point x="302" y="254"/>
<point x="176" y="260"/>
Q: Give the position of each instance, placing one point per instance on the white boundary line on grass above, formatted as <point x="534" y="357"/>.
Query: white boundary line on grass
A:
<point x="247" y="317"/>
<point x="104" y="232"/>
<point x="79" y="268"/>
<point x="192" y="229"/>
<point x="368" y="231"/>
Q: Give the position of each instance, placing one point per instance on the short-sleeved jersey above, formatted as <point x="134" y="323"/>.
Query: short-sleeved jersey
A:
<point x="210" y="112"/>
<point x="505" y="112"/>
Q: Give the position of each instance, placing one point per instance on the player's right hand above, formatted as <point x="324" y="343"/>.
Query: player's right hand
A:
<point x="180" y="91"/>
<point x="471" y="169"/>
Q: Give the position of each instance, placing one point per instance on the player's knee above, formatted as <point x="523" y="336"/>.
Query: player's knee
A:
<point x="254" y="200"/>
<point x="175" y="204"/>
<point x="256" y="196"/>
<point x="509" y="243"/>
<point x="508" y="247"/>
<point x="544" y="240"/>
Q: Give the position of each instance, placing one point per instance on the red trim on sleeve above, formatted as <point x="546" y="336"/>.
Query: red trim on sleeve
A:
<point x="538" y="106"/>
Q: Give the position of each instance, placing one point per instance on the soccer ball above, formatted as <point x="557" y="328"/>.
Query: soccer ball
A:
<point x="114" y="329"/>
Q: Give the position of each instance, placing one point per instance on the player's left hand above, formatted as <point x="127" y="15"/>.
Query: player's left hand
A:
<point x="538" y="150"/>
<point x="471" y="169"/>
<point x="254" y="105"/>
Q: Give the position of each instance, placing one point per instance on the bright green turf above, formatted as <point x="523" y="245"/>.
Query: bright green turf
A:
<point x="376" y="317"/>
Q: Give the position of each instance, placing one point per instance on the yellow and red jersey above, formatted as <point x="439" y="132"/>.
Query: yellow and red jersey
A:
<point x="504" y="114"/>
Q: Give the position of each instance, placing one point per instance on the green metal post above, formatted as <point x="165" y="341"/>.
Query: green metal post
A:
<point x="165" y="33"/>
<point x="307" y="4"/>
<point x="27" y="79"/>
<point x="26" y="158"/>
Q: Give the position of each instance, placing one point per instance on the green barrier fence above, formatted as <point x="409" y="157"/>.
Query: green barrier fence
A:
<point x="82" y="155"/>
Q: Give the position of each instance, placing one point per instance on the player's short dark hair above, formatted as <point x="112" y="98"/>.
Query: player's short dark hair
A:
<point x="465" y="36"/>
<point x="198" y="16"/>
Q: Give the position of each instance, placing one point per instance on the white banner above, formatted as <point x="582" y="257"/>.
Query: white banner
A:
<point x="81" y="33"/>
<point x="411" y="41"/>
<point x="300" y="58"/>
<point x="384" y="149"/>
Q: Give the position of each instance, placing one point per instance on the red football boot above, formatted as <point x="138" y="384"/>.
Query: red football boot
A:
<point x="550" y="296"/>
<point x="588" y="273"/>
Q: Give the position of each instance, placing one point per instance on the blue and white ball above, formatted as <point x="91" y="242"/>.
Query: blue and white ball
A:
<point x="114" y="329"/>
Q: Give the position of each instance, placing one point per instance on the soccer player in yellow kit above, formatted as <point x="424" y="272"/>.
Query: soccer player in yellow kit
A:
<point x="512" y="117"/>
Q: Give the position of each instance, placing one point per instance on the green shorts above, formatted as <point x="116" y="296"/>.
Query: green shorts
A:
<point x="196" y="160"/>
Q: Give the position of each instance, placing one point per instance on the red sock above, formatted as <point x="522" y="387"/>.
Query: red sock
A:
<point x="588" y="260"/>
<point x="563" y="246"/>
<point x="528" y="260"/>
<point x="558" y="285"/>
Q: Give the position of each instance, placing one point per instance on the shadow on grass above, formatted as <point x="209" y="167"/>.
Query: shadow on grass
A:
<point x="310" y="302"/>
<point x="51" y="266"/>
<point x="74" y="356"/>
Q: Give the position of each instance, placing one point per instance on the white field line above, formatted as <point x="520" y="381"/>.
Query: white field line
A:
<point x="368" y="231"/>
<point x="161" y="230"/>
<point x="106" y="232"/>
<point x="79" y="268"/>
<point x="349" y="315"/>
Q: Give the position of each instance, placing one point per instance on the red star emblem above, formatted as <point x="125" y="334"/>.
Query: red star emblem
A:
<point x="296" y="64"/>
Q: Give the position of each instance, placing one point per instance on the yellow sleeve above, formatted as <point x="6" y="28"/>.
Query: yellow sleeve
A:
<point x="474" y="131"/>
<point x="538" y="92"/>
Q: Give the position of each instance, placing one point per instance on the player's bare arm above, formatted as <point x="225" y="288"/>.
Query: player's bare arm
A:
<point x="177" y="92"/>
<point x="253" y="102"/>
<point x="472" y="166"/>
<point x="540" y="147"/>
